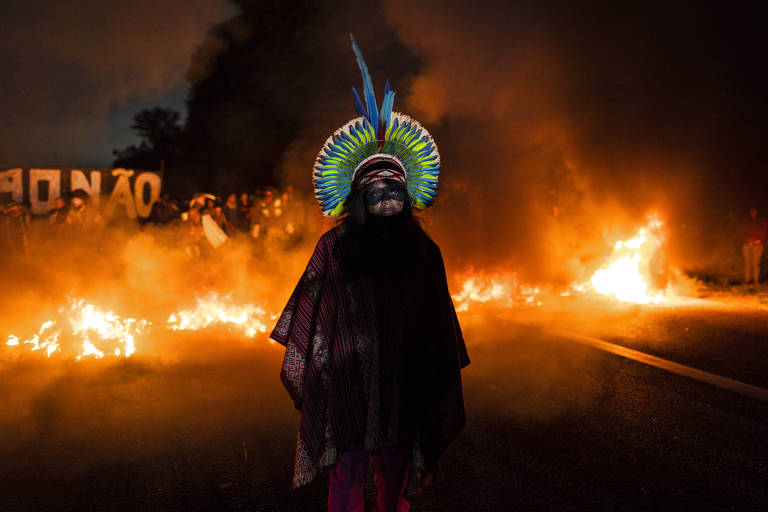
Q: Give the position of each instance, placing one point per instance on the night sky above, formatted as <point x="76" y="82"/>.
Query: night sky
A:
<point x="75" y="73"/>
<point x="564" y="122"/>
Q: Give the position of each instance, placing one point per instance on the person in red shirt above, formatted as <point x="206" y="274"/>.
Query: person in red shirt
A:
<point x="753" y="231"/>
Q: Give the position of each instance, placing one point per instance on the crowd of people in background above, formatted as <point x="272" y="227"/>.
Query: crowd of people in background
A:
<point x="203" y="222"/>
<point x="75" y="216"/>
<point x="264" y="217"/>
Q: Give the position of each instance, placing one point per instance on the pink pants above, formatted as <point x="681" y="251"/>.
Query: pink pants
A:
<point x="348" y="477"/>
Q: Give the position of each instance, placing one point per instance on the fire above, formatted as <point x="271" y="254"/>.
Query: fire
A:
<point x="634" y="272"/>
<point x="94" y="332"/>
<point x="46" y="339"/>
<point x="502" y="289"/>
<point x="629" y="273"/>
<point x="215" y="310"/>
<point x="88" y="331"/>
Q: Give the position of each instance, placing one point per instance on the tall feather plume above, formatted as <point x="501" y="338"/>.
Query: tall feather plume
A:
<point x="370" y="98"/>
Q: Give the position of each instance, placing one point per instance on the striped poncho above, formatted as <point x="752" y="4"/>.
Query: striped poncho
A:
<point x="325" y="368"/>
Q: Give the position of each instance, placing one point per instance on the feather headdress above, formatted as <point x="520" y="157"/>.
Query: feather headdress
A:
<point x="383" y="133"/>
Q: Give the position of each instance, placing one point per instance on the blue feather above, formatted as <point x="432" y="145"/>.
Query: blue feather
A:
<point x="386" y="107"/>
<point x="370" y="97"/>
<point x="359" y="104"/>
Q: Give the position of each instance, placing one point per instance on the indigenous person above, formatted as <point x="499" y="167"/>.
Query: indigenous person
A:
<point x="164" y="211"/>
<point x="220" y="217"/>
<point x="57" y="217"/>
<point x="16" y="228"/>
<point x="195" y="235"/>
<point x="244" y="212"/>
<point x="232" y="212"/>
<point x="373" y="346"/>
<point x="81" y="217"/>
<point x="753" y="231"/>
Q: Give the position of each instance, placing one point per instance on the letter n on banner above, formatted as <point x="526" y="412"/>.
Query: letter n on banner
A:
<point x="78" y="181"/>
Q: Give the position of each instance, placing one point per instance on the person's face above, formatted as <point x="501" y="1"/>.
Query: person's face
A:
<point x="243" y="198"/>
<point x="77" y="202"/>
<point x="753" y="213"/>
<point x="60" y="203"/>
<point x="231" y="198"/>
<point x="209" y="204"/>
<point x="384" y="199"/>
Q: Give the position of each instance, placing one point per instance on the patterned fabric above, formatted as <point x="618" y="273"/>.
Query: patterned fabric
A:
<point x="330" y="370"/>
<point x="378" y="167"/>
<point x="375" y="133"/>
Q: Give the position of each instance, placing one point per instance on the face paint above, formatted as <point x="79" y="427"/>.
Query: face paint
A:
<point x="375" y="195"/>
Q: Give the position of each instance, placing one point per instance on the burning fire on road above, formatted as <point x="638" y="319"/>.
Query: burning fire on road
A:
<point x="83" y="330"/>
<point x="636" y="272"/>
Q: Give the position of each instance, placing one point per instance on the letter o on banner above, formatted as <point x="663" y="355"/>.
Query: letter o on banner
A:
<point x="143" y="209"/>
<point x="53" y="179"/>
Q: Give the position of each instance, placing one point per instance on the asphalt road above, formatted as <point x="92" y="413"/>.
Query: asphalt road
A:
<point x="552" y="425"/>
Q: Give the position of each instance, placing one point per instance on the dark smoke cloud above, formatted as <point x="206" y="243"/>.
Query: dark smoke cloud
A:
<point x="559" y="124"/>
<point x="272" y="83"/>
<point x="66" y="65"/>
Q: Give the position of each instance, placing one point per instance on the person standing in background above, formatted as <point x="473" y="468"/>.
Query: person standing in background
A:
<point x="753" y="231"/>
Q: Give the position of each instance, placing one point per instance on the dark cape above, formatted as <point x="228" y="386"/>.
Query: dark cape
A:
<point x="373" y="354"/>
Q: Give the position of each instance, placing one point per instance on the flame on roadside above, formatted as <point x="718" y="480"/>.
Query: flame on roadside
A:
<point x="83" y="330"/>
<point x="631" y="272"/>
<point x="212" y="310"/>
<point x="92" y="332"/>
<point x="635" y="272"/>
<point x="499" y="289"/>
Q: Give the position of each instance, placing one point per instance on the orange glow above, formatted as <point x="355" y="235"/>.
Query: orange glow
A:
<point x="215" y="310"/>
<point x="500" y="289"/>
<point x="628" y="274"/>
<point x="92" y="333"/>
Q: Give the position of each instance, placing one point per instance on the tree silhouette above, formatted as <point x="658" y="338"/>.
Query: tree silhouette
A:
<point x="281" y="71"/>
<point x="161" y="136"/>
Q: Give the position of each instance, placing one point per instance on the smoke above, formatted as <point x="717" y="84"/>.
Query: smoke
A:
<point x="67" y="65"/>
<point x="191" y="396"/>
<point x="561" y="126"/>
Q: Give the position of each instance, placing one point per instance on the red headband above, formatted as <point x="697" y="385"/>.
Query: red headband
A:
<point x="379" y="167"/>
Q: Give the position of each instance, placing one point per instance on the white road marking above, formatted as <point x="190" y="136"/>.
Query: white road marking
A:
<point x="736" y="386"/>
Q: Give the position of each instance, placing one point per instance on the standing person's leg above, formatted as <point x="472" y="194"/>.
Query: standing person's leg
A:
<point x="391" y="465"/>
<point x="347" y="479"/>
<point x="757" y="253"/>
<point x="747" y="251"/>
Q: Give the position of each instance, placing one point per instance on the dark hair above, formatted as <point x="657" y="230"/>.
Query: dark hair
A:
<point x="360" y="244"/>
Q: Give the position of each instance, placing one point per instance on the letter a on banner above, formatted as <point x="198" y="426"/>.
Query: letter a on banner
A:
<point x="121" y="194"/>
